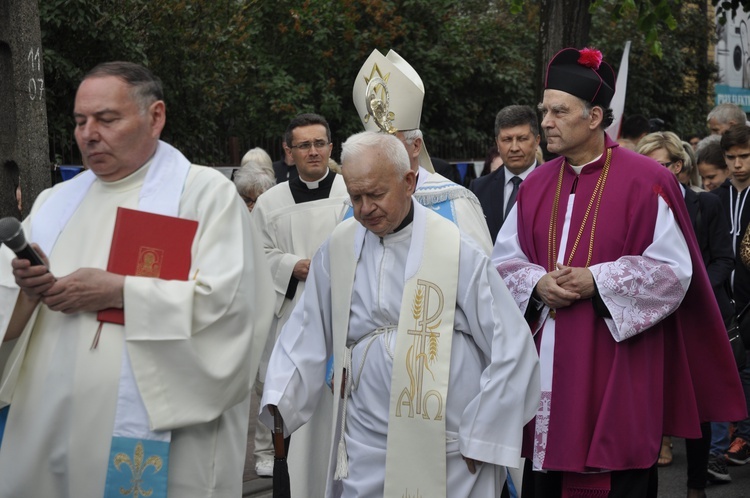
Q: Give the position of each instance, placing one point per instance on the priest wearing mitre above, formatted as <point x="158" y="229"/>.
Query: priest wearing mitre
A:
<point x="388" y="94"/>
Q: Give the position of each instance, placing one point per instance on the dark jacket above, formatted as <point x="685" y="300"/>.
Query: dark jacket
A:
<point x="490" y="190"/>
<point x="741" y="287"/>
<point x="712" y="232"/>
<point x="283" y="171"/>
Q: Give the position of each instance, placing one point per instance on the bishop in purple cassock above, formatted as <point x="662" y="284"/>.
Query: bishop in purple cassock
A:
<point x="598" y="256"/>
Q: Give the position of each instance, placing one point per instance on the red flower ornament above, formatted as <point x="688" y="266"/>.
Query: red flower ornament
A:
<point x="590" y="57"/>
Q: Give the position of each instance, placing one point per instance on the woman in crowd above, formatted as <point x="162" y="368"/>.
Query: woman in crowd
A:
<point x="711" y="164"/>
<point x="716" y="248"/>
<point x="255" y="176"/>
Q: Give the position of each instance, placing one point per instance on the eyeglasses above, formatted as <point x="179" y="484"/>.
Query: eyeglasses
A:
<point x="306" y="146"/>
<point x="247" y="199"/>
<point x="666" y="165"/>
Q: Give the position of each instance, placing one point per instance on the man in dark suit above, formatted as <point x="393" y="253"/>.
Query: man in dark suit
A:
<point x="284" y="168"/>
<point x="517" y="137"/>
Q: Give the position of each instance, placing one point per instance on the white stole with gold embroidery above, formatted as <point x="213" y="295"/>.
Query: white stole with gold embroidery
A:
<point x="416" y="426"/>
<point x="415" y="452"/>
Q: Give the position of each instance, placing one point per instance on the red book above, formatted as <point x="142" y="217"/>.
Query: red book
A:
<point x="149" y="245"/>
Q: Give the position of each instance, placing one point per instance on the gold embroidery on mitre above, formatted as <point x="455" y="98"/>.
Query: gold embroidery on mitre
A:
<point x="149" y="262"/>
<point x="377" y="101"/>
<point x="427" y="308"/>
<point x="137" y="466"/>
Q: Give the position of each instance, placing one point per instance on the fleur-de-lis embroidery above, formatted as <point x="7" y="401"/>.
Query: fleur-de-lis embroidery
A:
<point x="137" y="466"/>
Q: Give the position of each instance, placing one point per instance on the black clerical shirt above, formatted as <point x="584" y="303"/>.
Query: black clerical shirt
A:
<point x="301" y="192"/>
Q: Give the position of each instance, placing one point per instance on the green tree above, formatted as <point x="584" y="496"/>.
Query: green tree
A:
<point x="673" y="87"/>
<point x="201" y="51"/>
<point x="244" y="68"/>
<point x="76" y="35"/>
<point x="472" y="56"/>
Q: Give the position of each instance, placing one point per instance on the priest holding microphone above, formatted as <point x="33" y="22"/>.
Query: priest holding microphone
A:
<point x="157" y="399"/>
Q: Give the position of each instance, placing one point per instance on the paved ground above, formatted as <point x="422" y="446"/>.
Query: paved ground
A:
<point x="672" y="479"/>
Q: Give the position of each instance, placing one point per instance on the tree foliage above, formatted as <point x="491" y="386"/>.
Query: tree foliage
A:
<point x="651" y="15"/>
<point x="243" y="68"/>
<point x="729" y="8"/>
<point x="76" y="35"/>
<point x="673" y="87"/>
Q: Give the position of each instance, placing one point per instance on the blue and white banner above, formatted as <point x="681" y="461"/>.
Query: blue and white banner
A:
<point x="733" y="58"/>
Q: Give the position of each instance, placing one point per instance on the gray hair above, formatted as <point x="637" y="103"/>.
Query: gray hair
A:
<point x="705" y="142"/>
<point x="252" y="179"/>
<point x="516" y="115"/>
<point x="259" y="156"/>
<point x="727" y="113"/>
<point x="608" y="115"/>
<point x="390" y="146"/>
<point x="411" y="135"/>
<point x="146" y="88"/>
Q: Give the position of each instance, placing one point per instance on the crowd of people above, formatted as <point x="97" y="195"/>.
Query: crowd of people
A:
<point x="543" y="331"/>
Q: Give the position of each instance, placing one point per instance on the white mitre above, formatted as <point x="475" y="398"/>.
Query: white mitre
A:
<point x="388" y="94"/>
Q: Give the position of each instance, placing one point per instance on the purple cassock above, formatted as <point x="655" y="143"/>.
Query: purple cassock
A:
<point x="611" y="402"/>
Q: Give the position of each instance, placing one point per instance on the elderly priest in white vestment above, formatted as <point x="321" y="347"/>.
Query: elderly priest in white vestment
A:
<point x="159" y="404"/>
<point x="435" y="372"/>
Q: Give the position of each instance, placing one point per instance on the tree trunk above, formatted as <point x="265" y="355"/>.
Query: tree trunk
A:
<point x="704" y="73"/>
<point x="563" y="23"/>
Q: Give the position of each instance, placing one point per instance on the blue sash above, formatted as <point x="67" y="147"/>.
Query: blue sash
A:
<point x="137" y="467"/>
<point x="444" y="209"/>
<point x="3" y="419"/>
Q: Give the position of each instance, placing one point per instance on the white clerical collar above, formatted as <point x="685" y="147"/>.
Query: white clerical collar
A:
<point x="578" y="169"/>
<point x="522" y="175"/>
<point x="682" y="187"/>
<point x="160" y="194"/>
<point x="316" y="183"/>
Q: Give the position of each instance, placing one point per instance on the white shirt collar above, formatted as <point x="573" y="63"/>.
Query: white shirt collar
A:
<point x="522" y="175"/>
<point x="316" y="183"/>
<point x="578" y="169"/>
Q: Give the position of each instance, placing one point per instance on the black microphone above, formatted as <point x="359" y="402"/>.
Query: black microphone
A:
<point x="11" y="233"/>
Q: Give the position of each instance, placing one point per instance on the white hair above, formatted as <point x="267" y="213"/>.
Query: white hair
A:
<point x="726" y="113"/>
<point x="259" y="156"/>
<point x="411" y="135"/>
<point x="252" y="179"/>
<point x="390" y="146"/>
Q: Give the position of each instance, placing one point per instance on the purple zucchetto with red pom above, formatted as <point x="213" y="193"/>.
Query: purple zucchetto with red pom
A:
<point x="582" y="73"/>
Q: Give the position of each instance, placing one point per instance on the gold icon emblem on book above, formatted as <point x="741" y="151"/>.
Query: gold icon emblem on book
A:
<point x="150" y="261"/>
